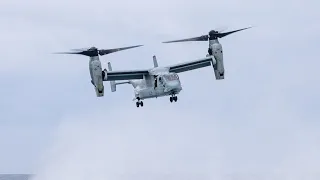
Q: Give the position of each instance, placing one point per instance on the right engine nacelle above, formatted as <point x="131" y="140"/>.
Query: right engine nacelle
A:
<point x="218" y="72"/>
<point x="215" y="50"/>
<point x="218" y="68"/>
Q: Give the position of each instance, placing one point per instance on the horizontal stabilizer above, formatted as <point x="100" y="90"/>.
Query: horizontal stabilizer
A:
<point x="114" y="84"/>
<point x="124" y="82"/>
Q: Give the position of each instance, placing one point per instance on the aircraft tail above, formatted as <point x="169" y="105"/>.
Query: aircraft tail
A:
<point x="155" y="62"/>
<point x="112" y="83"/>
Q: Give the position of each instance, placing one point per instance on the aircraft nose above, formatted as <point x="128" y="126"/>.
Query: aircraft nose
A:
<point x="172" y="85"/>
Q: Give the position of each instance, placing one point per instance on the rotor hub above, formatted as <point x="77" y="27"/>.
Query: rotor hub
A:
<point x="213" y="34"/>
<point x="93" y="51"/>
<point x="93" y="48"/>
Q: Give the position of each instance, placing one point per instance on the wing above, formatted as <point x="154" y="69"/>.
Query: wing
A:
<point x="200" y="38"/>
<point x="124" y="75"/>
<point x="191" y="65"/>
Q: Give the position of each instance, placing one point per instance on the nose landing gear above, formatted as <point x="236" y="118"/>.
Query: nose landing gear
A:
<point x="139" y="103"/>
<point x="173" y="98"/>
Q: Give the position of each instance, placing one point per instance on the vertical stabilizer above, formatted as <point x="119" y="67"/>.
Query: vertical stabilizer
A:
<point x="112" y="83"/>
<point x="109" y="66"/>
<point x="155" y="62"/>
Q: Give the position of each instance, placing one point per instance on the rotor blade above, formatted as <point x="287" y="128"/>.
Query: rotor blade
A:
<point x="80" y="49"/>
<point x="220" y="35"/>
<point x="67" y="53"/>
<point x="108" y="51"/>
<point x="200" y="38"/>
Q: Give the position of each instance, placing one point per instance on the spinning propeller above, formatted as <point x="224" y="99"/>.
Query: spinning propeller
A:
<point x="212" y="35"/>
<point x="93" y="51"/>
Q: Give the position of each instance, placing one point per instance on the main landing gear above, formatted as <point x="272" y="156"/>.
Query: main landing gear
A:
<point x="139" y="103"/>
<point x="173" y="98"/>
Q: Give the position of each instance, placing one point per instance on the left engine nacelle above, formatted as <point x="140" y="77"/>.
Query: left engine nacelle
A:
<point x="217" y="67"/>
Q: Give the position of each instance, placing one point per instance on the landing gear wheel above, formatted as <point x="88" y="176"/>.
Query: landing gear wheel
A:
<point x="139" y="103"/>
<point x="175" y="98"/>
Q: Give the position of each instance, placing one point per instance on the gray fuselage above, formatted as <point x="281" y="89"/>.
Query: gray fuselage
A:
<point x="157" y="86"/>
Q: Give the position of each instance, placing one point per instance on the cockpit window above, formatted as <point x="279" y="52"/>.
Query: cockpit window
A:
<point x="171" y="77"/>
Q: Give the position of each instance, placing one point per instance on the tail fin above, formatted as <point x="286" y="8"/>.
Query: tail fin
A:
<point x="112" y="83"/>
<point x="155" y="62"/>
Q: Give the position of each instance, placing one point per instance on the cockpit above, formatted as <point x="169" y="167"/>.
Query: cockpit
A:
<point x="167" y="81"/>
<point x="170" y="77"/>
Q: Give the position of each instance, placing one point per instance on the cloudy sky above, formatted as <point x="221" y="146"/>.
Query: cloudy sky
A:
<point x="262" y="120"/>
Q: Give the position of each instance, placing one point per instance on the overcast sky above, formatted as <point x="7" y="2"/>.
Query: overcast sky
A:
<point x="262" y="119"/>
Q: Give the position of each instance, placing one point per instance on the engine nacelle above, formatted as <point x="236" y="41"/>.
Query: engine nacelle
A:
<point x="218" y="75"/>
<point x="99" y="91"/>
<point x="219" y="69"/>
<point x="216" y="50"/>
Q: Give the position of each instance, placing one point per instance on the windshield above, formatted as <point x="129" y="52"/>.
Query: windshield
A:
<point x="171" y="77"/>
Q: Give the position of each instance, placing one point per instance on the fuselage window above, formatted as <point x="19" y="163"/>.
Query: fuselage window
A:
<point x="171" y="77"/>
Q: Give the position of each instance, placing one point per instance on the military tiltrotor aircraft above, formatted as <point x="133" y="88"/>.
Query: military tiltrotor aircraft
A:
<point x="215" y="48"/>
<point x="95" y="64"/>
<point x="157" y="81"/>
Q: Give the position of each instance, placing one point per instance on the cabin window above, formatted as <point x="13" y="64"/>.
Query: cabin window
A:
<point x="171" y="77"/>
<point x="160" y="79"/>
